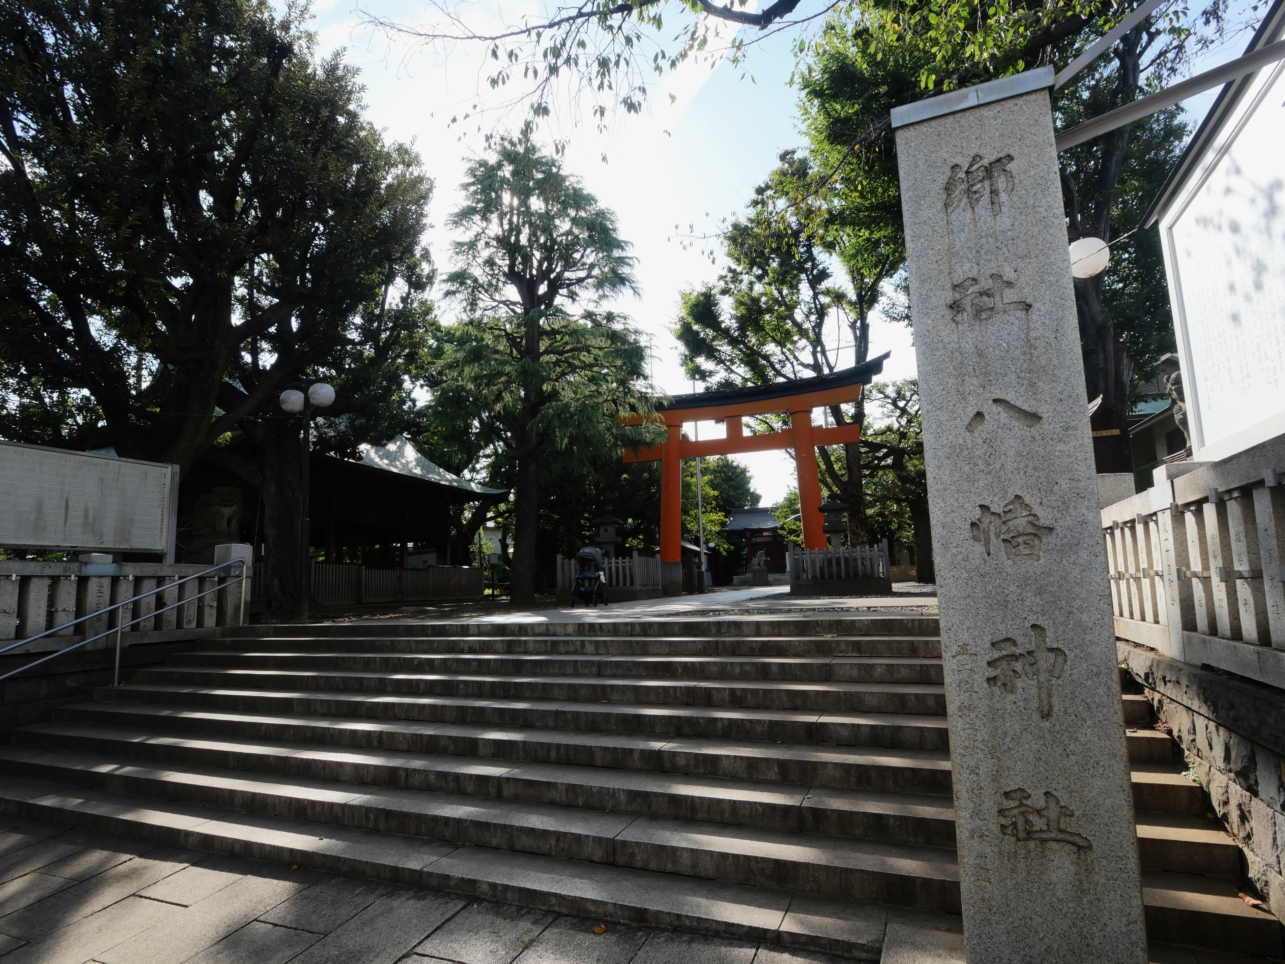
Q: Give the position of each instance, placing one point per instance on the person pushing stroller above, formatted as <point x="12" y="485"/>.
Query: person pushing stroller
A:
<point x="591" y="577"/>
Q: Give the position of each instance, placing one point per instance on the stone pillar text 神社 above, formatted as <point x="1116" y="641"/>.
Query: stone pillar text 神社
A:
<point x="1044" y="816"/>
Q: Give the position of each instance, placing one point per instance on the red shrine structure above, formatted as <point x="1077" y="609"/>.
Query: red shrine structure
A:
<point x="797" y="399"/>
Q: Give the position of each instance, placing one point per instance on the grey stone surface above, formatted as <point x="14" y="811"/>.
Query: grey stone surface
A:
<point x="327" y="904"/>
<point x="1047" y="853"/>
<point x="191" y="885"/>
<point x="670" y="947"/>
<point x="36" y="856"/>
<point x="384" y="931"/>
<point x="486" y="933"/>
<point x="24" y="835"/>
<point x="570" y="939"/>
<point x="91" y="936"/>
<point x="785" y="955"/>
<point x="44" y="916"/>
<point x="258" y="943"/>
<point x="29" y="888"/>
<point x="8" y="944"/>
<point x="916" y="938"/>
<point x="93" y="861"/>
<point x="195" y="928"/>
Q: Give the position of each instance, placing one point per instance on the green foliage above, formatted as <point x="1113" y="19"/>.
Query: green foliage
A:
<point x="786" y="512"/>
<point x="777" y="311"/>
<point x="893" y="449"/>
<point x="1134" y="285"/>
<point x="160" y="156"/>
<point x="711" y="510"/>
<point x="731" y="481"/>
<point x="534" y="379"/>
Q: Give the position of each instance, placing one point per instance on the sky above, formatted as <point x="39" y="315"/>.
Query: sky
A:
<point x="688" y="163"/>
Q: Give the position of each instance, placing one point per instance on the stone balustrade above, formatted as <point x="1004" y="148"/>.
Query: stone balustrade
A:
<point x="1199" y="597"/>
<point x="1196" y="563"/>
<point x="39" y="596"/>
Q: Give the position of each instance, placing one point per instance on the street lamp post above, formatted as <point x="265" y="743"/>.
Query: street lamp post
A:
<point x="319" y="395"/>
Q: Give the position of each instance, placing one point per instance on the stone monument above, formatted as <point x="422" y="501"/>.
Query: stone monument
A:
<point x="1043" y="808"/>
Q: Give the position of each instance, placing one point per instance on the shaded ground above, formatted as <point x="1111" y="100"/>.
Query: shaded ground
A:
<point x="69" y="897"/>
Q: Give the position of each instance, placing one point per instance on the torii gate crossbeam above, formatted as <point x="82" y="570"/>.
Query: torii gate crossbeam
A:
<point x="796" y="398"/>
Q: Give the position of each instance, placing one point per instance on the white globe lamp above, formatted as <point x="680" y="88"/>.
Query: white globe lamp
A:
<point x="1089" y="257"/>
<point x="292" y="400"/>
<point x="321" y="395"/>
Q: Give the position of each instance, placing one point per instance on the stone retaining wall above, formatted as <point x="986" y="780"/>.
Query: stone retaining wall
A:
<point x="1232" y="731"/>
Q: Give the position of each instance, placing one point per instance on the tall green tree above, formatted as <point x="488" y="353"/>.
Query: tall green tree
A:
<point x="193" y="214"/>
<point x="802" y="282"/>
<point x="535" y="365"/>
<point x="896" y="484"/>
<point x="880" y="54"/>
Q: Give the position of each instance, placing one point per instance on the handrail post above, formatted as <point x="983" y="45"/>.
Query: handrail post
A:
<point x="120" y="628"/>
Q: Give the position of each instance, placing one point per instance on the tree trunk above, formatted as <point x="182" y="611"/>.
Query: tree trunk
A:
<point x="924" y="568"/>
<point x="276" y="473"/>
<point x="526" y="528"/>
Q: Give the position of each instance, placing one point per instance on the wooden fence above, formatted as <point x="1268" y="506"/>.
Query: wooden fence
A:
<point x="1197" y="563"/>
<point x="623" y="572"/>
<point x="350" y="584"/>
<point x="842" y="563"/>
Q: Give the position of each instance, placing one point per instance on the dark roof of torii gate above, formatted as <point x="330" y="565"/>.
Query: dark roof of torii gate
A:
<point x="857" y="375"/>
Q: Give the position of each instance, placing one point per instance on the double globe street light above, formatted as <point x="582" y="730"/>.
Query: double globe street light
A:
<point x="318" y="395"/>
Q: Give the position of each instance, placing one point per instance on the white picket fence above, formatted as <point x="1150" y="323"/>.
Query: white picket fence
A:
<point x="844" y="562"/>
<point x="623" y="572"/>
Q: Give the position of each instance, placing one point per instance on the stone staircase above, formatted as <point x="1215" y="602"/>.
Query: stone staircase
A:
<point x="783" y="780"/>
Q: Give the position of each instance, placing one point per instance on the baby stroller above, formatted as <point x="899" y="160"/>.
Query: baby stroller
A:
<point x="591" y="579"/>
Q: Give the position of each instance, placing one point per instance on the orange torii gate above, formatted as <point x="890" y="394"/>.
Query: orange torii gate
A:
<point x="797" y="398"/>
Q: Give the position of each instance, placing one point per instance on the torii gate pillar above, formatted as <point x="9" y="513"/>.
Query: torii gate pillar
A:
<point x="805" y="463"/>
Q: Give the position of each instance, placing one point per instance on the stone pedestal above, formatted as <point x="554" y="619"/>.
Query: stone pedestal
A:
<point x="671" y="578"/>
<point x="1043" y="808"/>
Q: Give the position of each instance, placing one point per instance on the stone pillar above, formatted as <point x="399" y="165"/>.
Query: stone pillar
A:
<point x="1043" y="807"/>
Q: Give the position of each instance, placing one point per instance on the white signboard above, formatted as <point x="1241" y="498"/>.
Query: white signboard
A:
<point x="1224" y="247"/>
<point x="56" y="499"/>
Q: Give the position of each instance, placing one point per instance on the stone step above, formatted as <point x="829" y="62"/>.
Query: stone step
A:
<point x="880" y="815"/>
<point x="1207" y="912"/>
<point x="554" y="884"/>
<point x="1148" y="746"/>
<point x="1179" y="907"/>
<point x="925" y="878"/>
<point x="1137" y="711"/>
<point x="1186" y="844"/>
<point x="852" y="767"/>
<point x="620" y="624"/>
<point x="918" y="698"/>
<point x="1166" y="841"/>
<point x="892" y="730"/>
<point x="779" y="646"/>
<point x="848" y="669"/>
<point x="1159" y="787"/>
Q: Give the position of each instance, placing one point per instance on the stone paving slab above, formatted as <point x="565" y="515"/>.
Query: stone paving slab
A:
<point x="247" y="912"/>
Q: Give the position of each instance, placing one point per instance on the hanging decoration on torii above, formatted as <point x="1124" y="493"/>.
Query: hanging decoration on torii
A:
<point x="796" y="398"/>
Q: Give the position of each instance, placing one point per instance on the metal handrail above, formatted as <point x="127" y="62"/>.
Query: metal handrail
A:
<point x="120" y="626"/>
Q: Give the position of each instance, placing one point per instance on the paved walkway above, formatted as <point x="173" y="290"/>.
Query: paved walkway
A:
<point x="764" y="601"/>
<point x="70" y="897"/>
